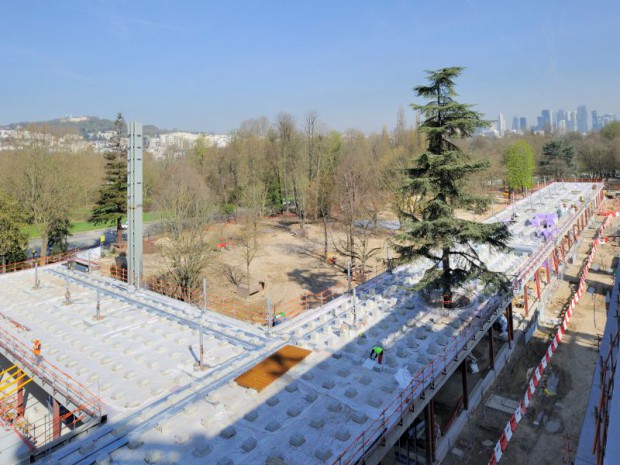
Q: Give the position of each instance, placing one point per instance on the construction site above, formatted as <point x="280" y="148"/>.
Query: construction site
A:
<point x="97" y="370"/>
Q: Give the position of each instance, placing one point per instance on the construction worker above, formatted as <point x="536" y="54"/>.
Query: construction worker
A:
<point x="377" y="353"/>
<point x="37" y="350"/>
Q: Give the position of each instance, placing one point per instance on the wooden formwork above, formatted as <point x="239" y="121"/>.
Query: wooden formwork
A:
<point x="266" y="372"/>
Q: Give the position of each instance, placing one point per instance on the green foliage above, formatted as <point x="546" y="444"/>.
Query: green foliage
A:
<point x="228" y="209"/>
<point x="558" y="158"/>
<point x="59" y="233"/>
<point x="520" y="166"/>
<point x="13" y="242"/>
<point x="274" y="195"/>
<point x="611" y="130"/>
<point x="112" y="202"/>
<point x="434" y="188"/>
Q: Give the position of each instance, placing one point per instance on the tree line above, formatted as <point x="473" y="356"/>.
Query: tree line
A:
<point x="334" y="179"/>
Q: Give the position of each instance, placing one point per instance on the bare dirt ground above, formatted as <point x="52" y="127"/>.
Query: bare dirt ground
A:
<point x="549" y="431"/>
<point x="289" y="264"/>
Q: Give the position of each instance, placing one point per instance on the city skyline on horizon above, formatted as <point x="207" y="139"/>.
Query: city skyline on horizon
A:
<point x="208" y="67"/>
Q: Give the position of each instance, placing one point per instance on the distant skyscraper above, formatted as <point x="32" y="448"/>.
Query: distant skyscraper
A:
<point x="595" y="121"/>
<point x="539" y="123"/>
<point x="562" y="116"/>
<point x="546" y="121"/>
<point x="515" y="123"/>
<point x="562" y="126"/>
<point x="501" y="125"/>
<point x="572" y="120"/>
<point x="582" y="119"/>
<point x="523" y="124"/>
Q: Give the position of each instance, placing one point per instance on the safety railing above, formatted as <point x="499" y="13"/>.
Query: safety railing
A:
<point x="391" y="416"/>
<point x="30" y="263"/>
<point x="61" y="382"/>
<point x="252" y="312"/>
<point x="524" y="271"/>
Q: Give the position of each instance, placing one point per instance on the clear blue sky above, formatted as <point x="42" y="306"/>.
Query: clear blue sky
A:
<point x="207" y="66"/>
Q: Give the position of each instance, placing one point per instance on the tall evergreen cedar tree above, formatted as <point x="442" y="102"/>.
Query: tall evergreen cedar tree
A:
<point x="112" y="202"/>
<point x="434" y="188"/>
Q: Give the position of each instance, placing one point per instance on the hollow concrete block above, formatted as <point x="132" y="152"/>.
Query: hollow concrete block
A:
<point x="153" y="456"/>
<point x="249" y="444"/>
<point x="297" y="439"/>
<point x="135" y="441"/>
<point x="317" y="422"/>
<point x="292" y="387"/>
<point x="328" y="384"/>
<point x="334" y="405"/>
<point x="272" y="426"/>
<point x="228" y="432"/>
<point x="201" y="450"/>
<point x="294" y="411"/>
<point x="251" y="416"/>
<point x="359" y="417"/>
<point x="343" y="435"/>
<point x="323" y="454"/>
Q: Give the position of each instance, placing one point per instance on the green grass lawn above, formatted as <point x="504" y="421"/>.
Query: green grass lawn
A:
<point x="79" y="226"/>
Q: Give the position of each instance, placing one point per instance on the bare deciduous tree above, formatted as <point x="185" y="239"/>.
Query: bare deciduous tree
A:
<point x="253" y="200"/>
<point x="187" y="207"/>
<point x="46" y="185"/>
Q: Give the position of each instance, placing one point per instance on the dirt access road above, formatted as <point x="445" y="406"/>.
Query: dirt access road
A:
<point x="549" y="431"/>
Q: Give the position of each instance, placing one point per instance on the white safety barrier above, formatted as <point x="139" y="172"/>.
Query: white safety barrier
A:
<point x="521" y="410"/>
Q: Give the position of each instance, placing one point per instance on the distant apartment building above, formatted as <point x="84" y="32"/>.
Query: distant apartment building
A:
<point x="15" y="139"/>
<point x="177" y="143"/>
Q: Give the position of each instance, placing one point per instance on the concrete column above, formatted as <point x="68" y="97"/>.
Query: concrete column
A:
<point x="19" y="408"/>
<point x="556" y="265"/>
<point x="55" y="419"/>
<point x="429" y="426"/>
<point x="525" y="304"/>
<point x="537" y="281"/>
<point x="548" y="270"/>
<point x="491" y="351"/>
<point x="464" y="380"/>
<point x="510" y="324"/>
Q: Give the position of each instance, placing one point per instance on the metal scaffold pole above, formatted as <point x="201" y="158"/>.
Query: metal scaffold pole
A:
<point x="134" y="203"/>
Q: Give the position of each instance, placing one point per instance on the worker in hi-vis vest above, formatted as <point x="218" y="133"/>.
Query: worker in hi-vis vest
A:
<point x="376" y="353"/>
<point x="37" y="350"/>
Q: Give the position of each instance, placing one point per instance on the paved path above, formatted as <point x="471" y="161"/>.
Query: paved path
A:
<point x="89" y="239"/>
